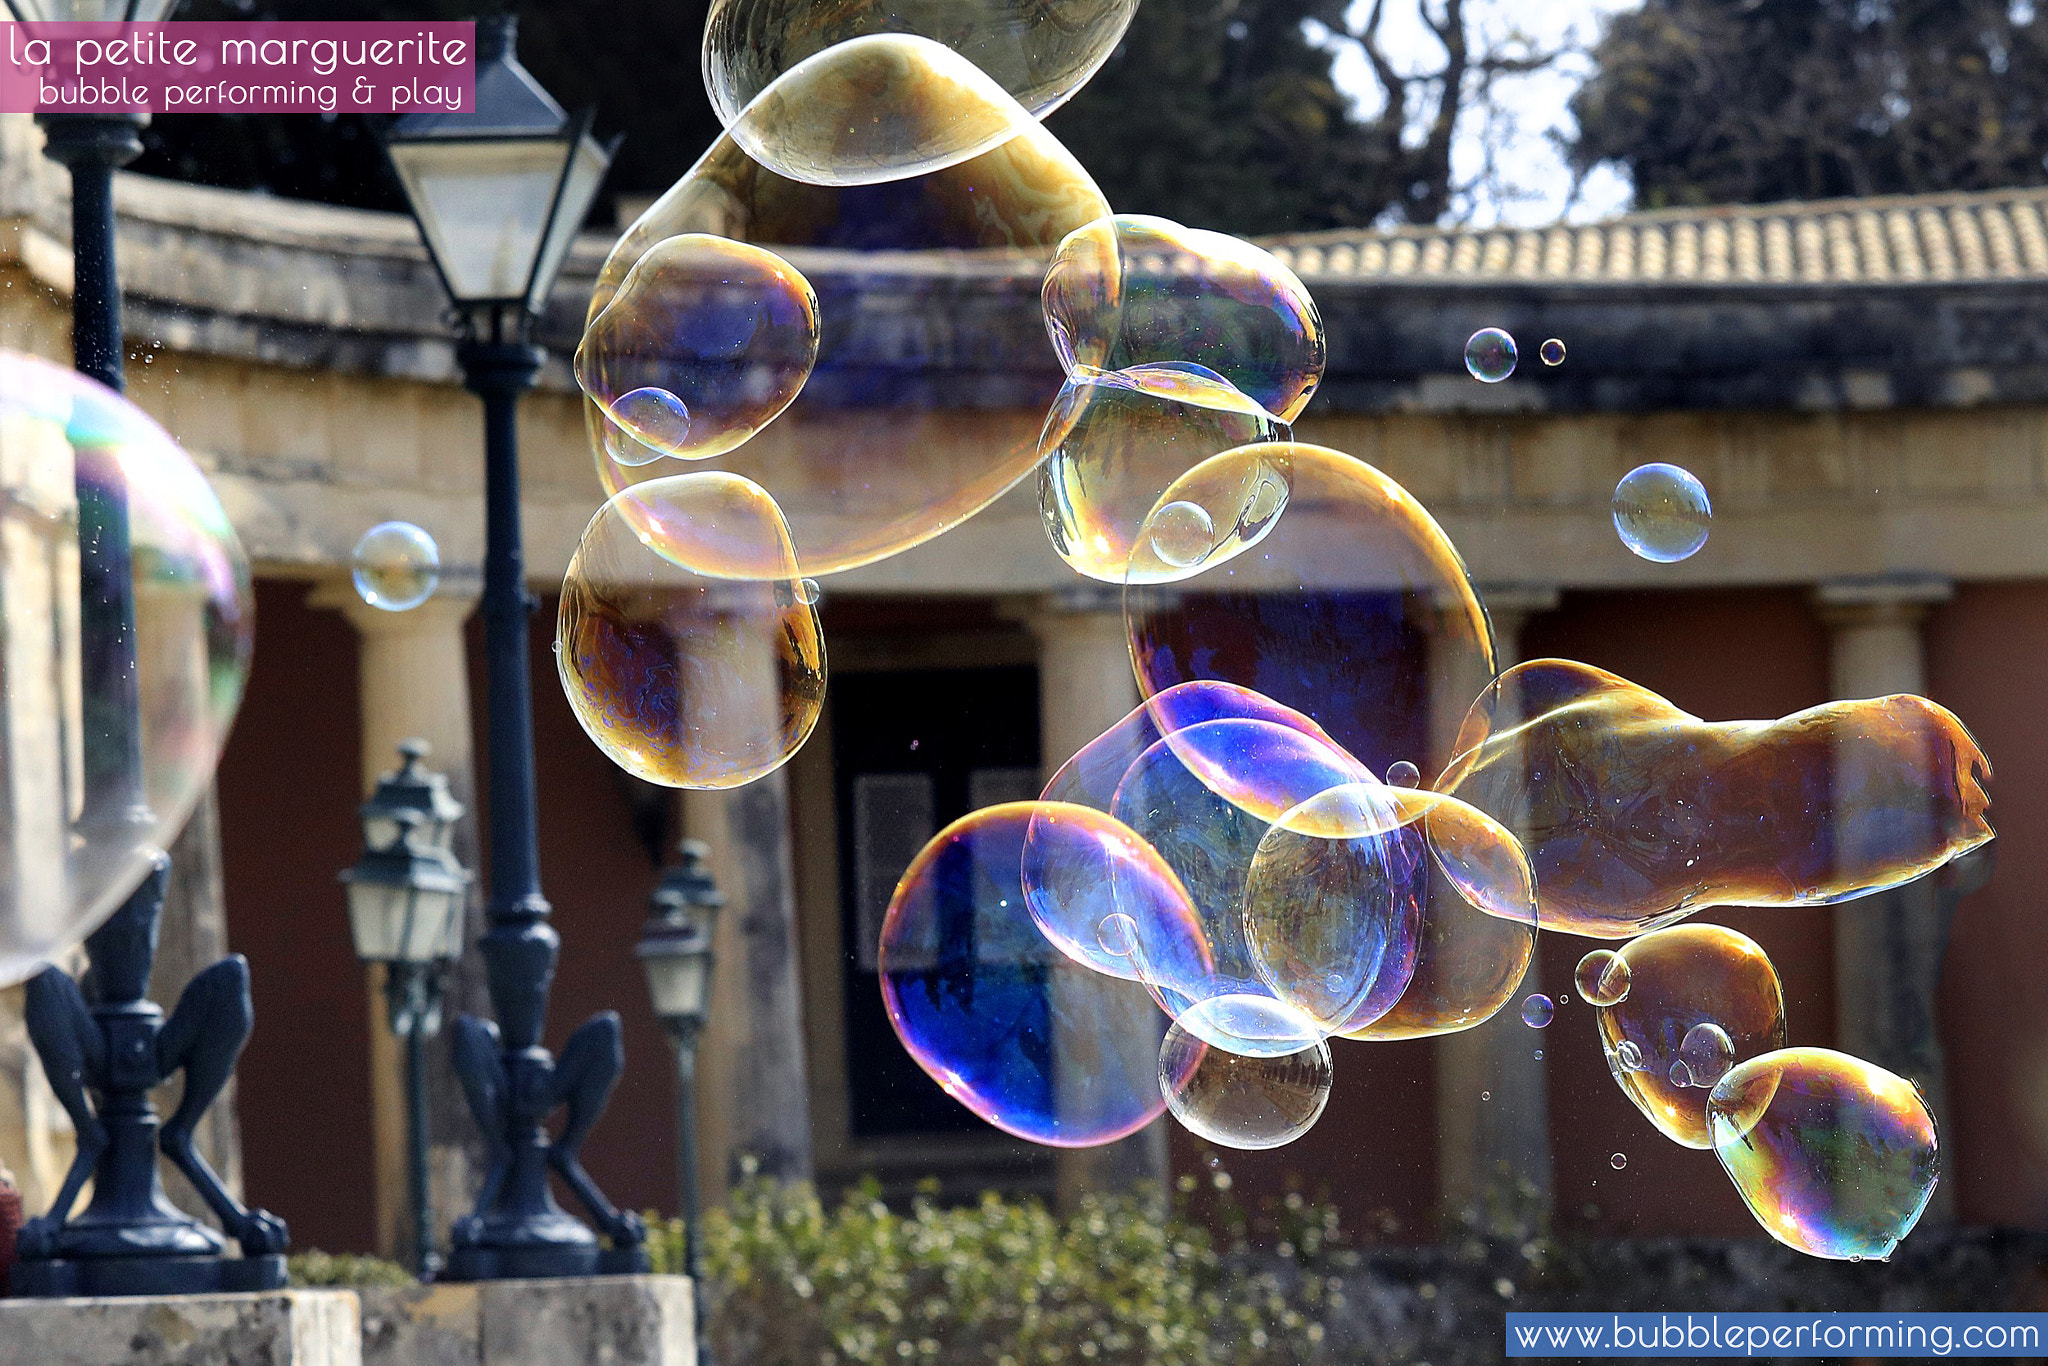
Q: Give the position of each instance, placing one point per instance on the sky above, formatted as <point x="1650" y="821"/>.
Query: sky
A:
<point x="1537" y="185"/>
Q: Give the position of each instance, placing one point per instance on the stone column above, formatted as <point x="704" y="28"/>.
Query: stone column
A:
<point x="1085" y="686"/>
<point x="1492" y="1104"/>
<point x="413" y="683"/>
<point x="1889" y="946"/>
<point x="753" y="1070"/>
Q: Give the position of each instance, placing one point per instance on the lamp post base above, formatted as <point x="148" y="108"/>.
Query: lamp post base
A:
<point x="99" y="1277"/>
<point x="542" y="1263"/>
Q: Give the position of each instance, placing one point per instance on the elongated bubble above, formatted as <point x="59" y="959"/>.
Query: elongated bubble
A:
<point x="1835" y="1157"/>
<point x="1114" y="441"/>
<point x="112" y="732"/>
<point x="1136" y="290"/>
<point x="704" y="344"/>
<point x="1635" y="814"/>
<point x="1039" y="51"/>
<point x="1014" y="1029"/>
<point x="882" y="450"/>
<point x="685" y="642"/>
<point x="1345" y="606"/>
<point x="1699" y="996"/>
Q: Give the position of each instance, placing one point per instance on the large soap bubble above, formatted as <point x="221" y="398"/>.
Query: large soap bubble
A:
<point x="1636" y="814"/>
<point x="1136" y="290"/>
<point x="1344" y="607"/>
<point x="1699" y="996"/>
<point x="1115" y="440"/>
<point x="687" y="643"/>
<point x="1833" y="1155"/>
<point x="1243" y="1102"/>
<point x="705" y="343"/>
<point x="1014" y="1029"/>
<point x="1039" y="51"/>
<point x="128" y="621"/>
<point x="874" y="456"/>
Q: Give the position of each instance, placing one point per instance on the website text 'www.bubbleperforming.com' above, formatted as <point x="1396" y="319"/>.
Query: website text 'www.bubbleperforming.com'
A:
<point x="1775" y="1335"/>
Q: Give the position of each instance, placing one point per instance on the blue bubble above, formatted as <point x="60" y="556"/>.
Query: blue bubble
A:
<point x="1662" y="513"/>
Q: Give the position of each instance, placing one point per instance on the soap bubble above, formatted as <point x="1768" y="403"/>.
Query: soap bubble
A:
<point x="684" y="643"/>
<point x="1602" y="977"/>
<point x="1835" y="1157"/>
<point x="1552" y="352"/>
<point x="395" y="566"/>
<point x="1538" y="1011"/>
<point x="1619" y="1161"/>
<point x="1114" y="441"/>
<point x="1243" y="1102"/>
<point x="1015" y="1030"/>
<point x="871" y="458"/>
<point x="704" y="344"/>
<point x="1136" y="290"/>
<point x="1662" y="513"/>
<point x="1040" y="54"/>
<point x="106" y="749"/>
<point x="1401" y="773"/>
<point x="1636" y="814"/>
<point x="1101" y="894"/>
<point x="1490" y="355"/>
<point x="1344" y="607"/>
<point x="1696" y="992"/>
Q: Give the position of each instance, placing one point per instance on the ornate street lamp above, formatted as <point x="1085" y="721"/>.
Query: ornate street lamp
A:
<point x="107" y="1054"/>
<point x="499" y="194"/>
<point x="405" y="899"/>
<point x="676" y="951"/>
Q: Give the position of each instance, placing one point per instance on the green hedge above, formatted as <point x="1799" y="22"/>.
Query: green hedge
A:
<point x="1008" y="1283"/>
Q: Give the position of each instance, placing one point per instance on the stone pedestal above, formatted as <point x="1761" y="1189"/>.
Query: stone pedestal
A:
<point x="601" y="1321"/>
<point x="280" y="1328"/>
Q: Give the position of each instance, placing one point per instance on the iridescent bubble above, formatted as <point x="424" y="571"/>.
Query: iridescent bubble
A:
<point x="106" y="749"/>
<point x="704" y="344"/>
<point x="1706" y="1053"/>
<point x="887" y="106"/>
<point x="1490" y="355"/>
<point x="1835" y="1157"/>
<point x="1136" y="290"/>
<point x="1552" y="352"/>
<point x="684" y="643"/>
<point x="1243" y="1102"/>
<point x="866" y="463"/>
<point x="395" y="566"/>
<point x="1113" y="442"/>
<point x="1403" y="774"/>
<point x="1602" y="977"/>
<point x="1343" y="607"/>
<point x="1039" y="53"/>
<point x="1014" y="1029"/>
<point x="1636" y="814"/>
<point x="1703" y="986"/>
<point x="1662" y="513"/>
<point x="1103" y="896"/>
<point x="1619" y="1161"/>
<point x="808" y="593"/>
<point x="1538" y="1011"/>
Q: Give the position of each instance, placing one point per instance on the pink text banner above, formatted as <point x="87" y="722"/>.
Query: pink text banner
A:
<point x="246" y="67"/>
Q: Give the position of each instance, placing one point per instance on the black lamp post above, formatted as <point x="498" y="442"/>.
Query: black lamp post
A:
<point x="676" y="951"/>
<point x="106" y="1045"/>
<point x="499" y="194"/>
<point x="405" y="898"/>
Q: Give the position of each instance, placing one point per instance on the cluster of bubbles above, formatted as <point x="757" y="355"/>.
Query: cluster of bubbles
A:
<point x="1257" y="861"/>
<point x="130" y="616"/>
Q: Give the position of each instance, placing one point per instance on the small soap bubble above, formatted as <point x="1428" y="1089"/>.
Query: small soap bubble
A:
<point x="1680" y="1074"/>
<point x="1243" y="1102"/>
<point x="396" y="566"/>
<point x="1564" y="998"/>
<point x="1490" y="355"/>
<point x="1603" y="978"/>
<point x="1539" y="1055"/>
<point x="1629" y="1055"/>
<point x="1182" y="533"/>
<point x="1486" y="1095"/>
<point x="1538" y="1011"/>
<point x="1401" y="773"/>
<point x="1552" y="352"/>
<point x="1662" y="513"/>
<point x="1618" y="1161"/>
<point x="1707" y="1053"/>
<point x="808" y="592"/>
